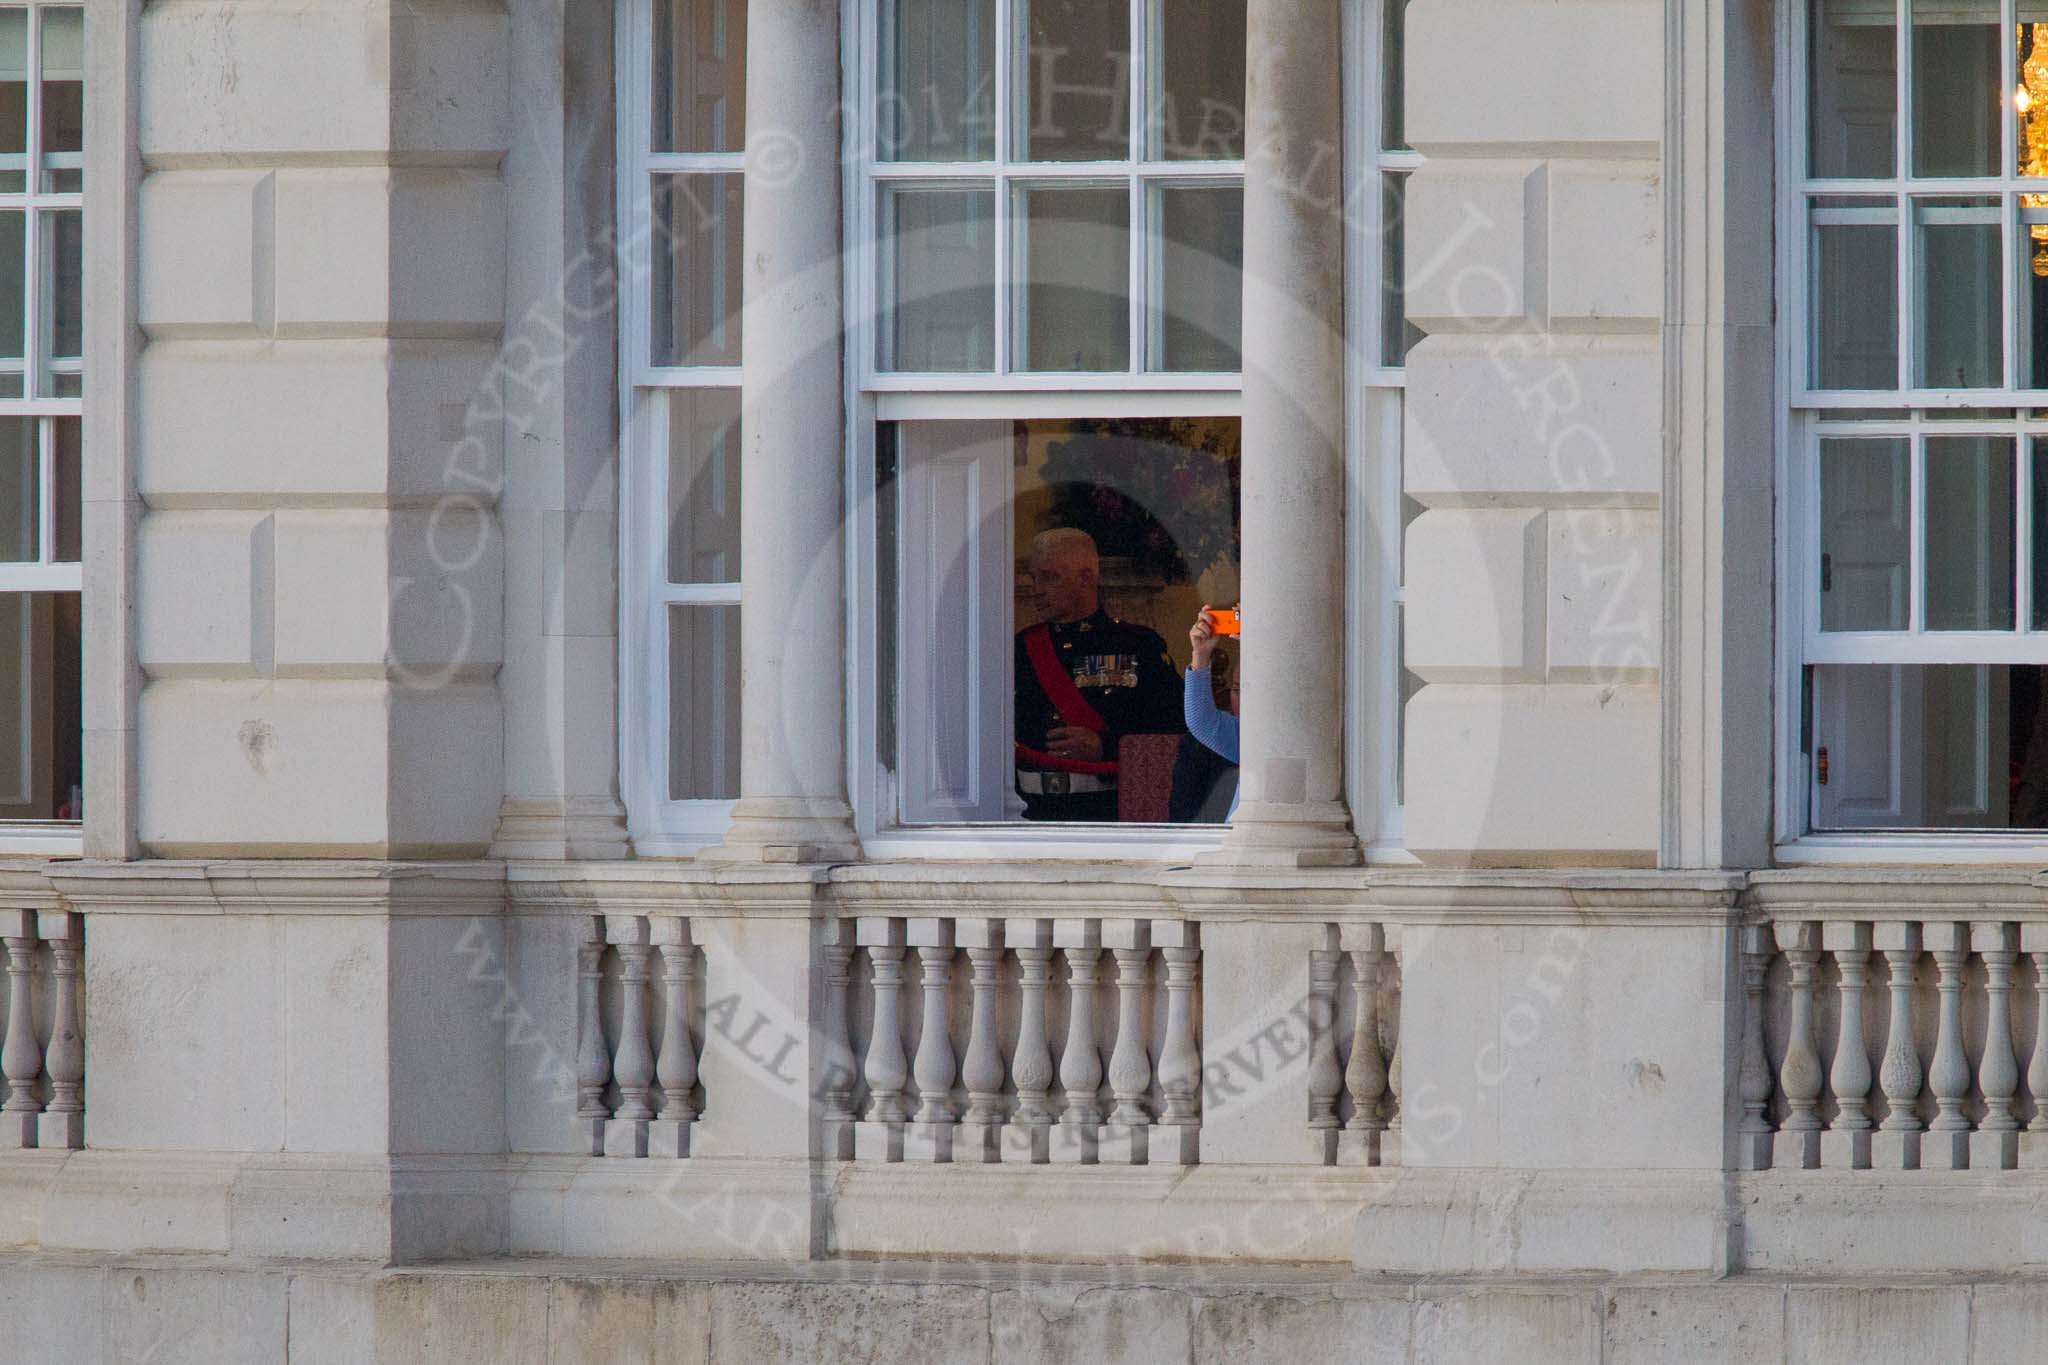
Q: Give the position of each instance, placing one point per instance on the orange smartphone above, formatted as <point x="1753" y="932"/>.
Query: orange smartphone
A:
<point x="1224" y="621"/>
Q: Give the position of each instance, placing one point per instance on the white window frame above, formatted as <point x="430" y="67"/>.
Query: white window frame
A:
<point x="1373" y="433"/>
<point x="1804" y="419"/>
<point x="660" y="825"/>
<point x="1377" y="394"/>
<point x="46" y="574"/>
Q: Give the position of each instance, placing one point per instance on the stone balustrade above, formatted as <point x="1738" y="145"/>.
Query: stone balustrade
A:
<point x="1354" y="1076"/>
<point x="42" y="1042"/>
<point x="1891" y="1045"/>
<point x="637" y="1090"/>
<point x="1062" y="1041"/>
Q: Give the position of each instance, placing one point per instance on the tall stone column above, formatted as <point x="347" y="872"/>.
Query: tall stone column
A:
<point x="792" y="805"/>
<point x="1292" y="809"/>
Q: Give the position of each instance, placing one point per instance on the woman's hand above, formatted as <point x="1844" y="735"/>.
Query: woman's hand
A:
<point x="1202" y="636"/>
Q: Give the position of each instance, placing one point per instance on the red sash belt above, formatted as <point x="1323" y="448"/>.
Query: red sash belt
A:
<point x="1066" y="699"/>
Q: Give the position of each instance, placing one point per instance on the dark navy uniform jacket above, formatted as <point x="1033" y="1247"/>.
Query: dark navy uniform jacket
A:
<point x="1122" y="669"/>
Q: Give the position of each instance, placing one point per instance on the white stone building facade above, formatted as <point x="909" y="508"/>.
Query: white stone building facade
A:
<point x="518" y="514"/>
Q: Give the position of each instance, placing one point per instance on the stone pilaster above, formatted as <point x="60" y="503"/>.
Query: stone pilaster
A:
<point x="557" y="384"/>
<point x="321" y="287"/>
<point x="1533" y="431"/>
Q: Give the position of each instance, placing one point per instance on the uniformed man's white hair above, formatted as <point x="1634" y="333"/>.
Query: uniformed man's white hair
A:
<point x="1062" y="541"/>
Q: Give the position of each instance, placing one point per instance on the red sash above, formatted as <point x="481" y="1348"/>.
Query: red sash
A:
<point x="1066" y="699"/>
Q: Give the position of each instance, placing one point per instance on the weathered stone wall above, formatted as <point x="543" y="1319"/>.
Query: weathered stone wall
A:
<point x="172" y="1312"/>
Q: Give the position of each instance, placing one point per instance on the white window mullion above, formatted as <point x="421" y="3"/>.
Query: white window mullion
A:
<point x="46" y="491"/>
<point x="2023" y="531"/>
<point x="1916" y="536"/>
<point x="1907" y="238"/>
<point x="1138" y="75"/>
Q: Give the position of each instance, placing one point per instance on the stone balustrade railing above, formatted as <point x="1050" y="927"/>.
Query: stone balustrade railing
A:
<point x="1354" y="1077"/>
<point x="1891" y="1045"/>
<point x="637" y="1092"/>
<point x="42" y="1047"/>
<point x="1063" y="1041"/>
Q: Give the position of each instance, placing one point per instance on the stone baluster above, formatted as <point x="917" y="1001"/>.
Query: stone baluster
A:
<point x="676" y="1069"/>
<point x="934" y="1068"/>
<point x="593" y="1058"/>
<point x="1896" y="1144"/>
<point x="633" y="1058"/>
<point x="1995" y="1146"/>
<point x="880" y="1136"/>
<point x="978" y="1135"/>
<point x="1800" y="1075"/>
<point x="1325" y="1080"/>
<point x="62" y="1124"/>
<point x="1947" y="1145"/>
<point x="1846" y="1144"/>
<point x="1123" y="1139"/>
<point x="1390" y="1023"/>
<point x="840" y="1067"/>
<point x="1174" y="1139"/>
<point x="21" y="1057"/>
<point x="1365" y="1071"/>
<point x="1755" y="1075"/>
<point x="1026" y="1136"/>
<point x="1080" y="942"/>
<point x="2034" y="1147"/>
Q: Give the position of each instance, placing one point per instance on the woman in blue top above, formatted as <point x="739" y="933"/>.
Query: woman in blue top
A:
<point x="1217" y="730"/>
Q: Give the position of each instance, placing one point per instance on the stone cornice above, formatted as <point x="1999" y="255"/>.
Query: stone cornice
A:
<point x="1391" y="895"/>
<point x="1899" y="893"/>
<point x="312" y="887"/>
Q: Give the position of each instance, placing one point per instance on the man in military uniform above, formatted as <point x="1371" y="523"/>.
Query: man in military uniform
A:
<point x="1084" y="680"/>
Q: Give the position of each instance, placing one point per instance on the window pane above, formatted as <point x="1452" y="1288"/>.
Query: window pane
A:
<point x="66" y="438"/>
<point x="1076" y="85"/>
<point x="700" y="75"/>
<point x="1864" y="534"/>
<point x="1950" y="746"/>
<point x="2031" y="270"/>
<point x="63" y="248"/>
<point x="698" y="224"/>
<point x="2039" y="493"/>
<point x="13" y="100"/>
<point x="63" y="99"/>
<point x="20" y="478"/>
<point x="17" y="671"/>
<point x="703" y="485"/>
<point x="13" y="278"/>
<point x="1199" y="277"/>
<point x="1151" y="505"/>
<point x="1393" y="94"/>
<point x="1201" y="82"/>
<point x="704" y="703"/>
<point x="1969" y="542"/>
<point x="40" y="735"/>
<point x="2030" y="100"/>
<point x="941" y="295"/>
<point x="1856" y="307"/>
<point x="1073" y="302"/>
<point x="938" y="81"/>
<point x="1961" y="319"/>
<point x="1397" y="335"/>
<point x="1854" y="93"/>
<point x="1957" y="99"/>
